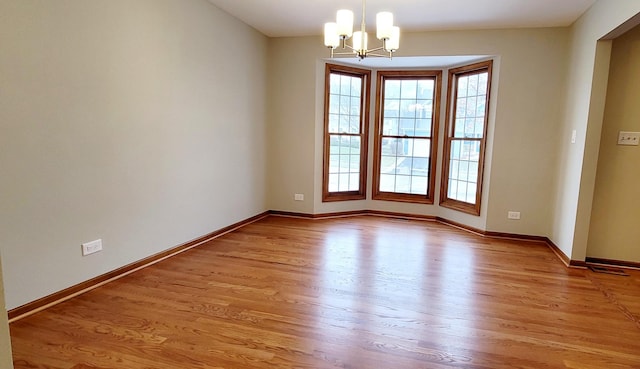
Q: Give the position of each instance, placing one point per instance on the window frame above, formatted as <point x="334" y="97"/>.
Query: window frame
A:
<point x="452" y="99"/>
<point x="382" y="75"/>
<point x="365" y="75"/>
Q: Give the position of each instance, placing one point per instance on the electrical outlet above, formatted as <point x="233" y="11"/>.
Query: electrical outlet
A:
<point x="628" y="138"/>
<point x="515" y="215"/>
<point x="298" y="197"/>
<point x="91" y="247"/>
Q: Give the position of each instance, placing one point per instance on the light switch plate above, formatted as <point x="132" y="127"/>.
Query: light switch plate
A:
<point x="628" y="138"/>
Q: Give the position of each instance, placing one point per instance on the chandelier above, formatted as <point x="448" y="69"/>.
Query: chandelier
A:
<point x="336" y="33"/>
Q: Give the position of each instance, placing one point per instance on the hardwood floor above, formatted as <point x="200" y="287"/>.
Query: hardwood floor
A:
<point x="360" y="292"/>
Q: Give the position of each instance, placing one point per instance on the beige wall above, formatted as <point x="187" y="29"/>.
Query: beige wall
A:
<point x="529" y="70"/>
<point x="138" y="122"/>
<point x="583" y="112"/>
<point x="5" y="340"/>
<point x="614" y="231"/>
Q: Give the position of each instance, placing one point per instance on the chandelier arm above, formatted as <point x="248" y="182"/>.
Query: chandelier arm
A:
<point x="376" y="49"/>
<point x="347" y="53"/>
<point x="347" y="46"/>
<point x="378" y="55"/>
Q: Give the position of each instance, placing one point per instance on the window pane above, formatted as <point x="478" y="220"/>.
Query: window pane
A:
<point x="479" y="130"/>
<point x="472" y="86"/>
<point x="343" y="184"/>
<point x="462" y="86"/>
<point x="419" y="185"/>
<point x="334" y="163"/>
<point x="423" y="128"/>
<point x="333" y="182"/>
<point x="409" y="89"/>
<point x="344" y="160"/>
<point x="461" y="194"/>
<point x="409" y="160"/>
<point x="461" y="107"/>
<point x="407" y="108"/>
<point x="463" y="170"/>
<point x="387" y="182"/>
<point x="391" y="108"/>
<point x="355" y="107"/>
<point x="403" y="148"/>
<point x="334" y="104"/>
<point x="407" y="127"/>
<point x="403" y="184"/>
<point x="471" y="150"/>
<point x="334" y="123"/>
<point x="459" y="128"/>
<point x="453" y="189"/>
<point x="425" y="89"/>
<point x="471" y="107"/>
<point x="354" y="181"/>
<point x="466" y="131"/>
<point x="420" y="167"/>
<point x="345" y="85"/>
<point x="354" y="164"/>
<point x="344" y="126"/>
<point x="334" y="84"/>
<point x="469" y="127"/>
<point x="390" y="127"/>
<point x="345" y="105"/>
<point x="424" y="108"/>
<point x="420" y="147"/>
<point x="344" y="163"/>
<point x="480" y="106"/>
<point x="388" y="146"/>
<point x="482" y="82"/>
<point x="407" y="116"/>
<point x="473" y="170"/>
<point x="356" y="86"/>
<point x="471" y="193"/>
<point x="391" y="89"/>
<point x="455" y="149"/>
<point x="453" y="169"/>
<point x="345" y="123"/>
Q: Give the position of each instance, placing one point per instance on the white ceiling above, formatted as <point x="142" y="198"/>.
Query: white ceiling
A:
<point x="284" y="18"/>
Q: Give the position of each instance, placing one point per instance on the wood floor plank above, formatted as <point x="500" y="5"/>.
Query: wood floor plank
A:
<point x="358" y="292"/>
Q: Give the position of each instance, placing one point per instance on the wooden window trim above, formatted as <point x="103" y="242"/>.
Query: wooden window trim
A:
<point x="400" y="197"/>
<point x="364" y="133"/>
<point x="454" y="73"/>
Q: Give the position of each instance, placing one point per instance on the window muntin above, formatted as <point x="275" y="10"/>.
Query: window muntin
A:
<point x="467" y="119"/>
<point x="345" y="136"/>
<point x="405" y="151"/>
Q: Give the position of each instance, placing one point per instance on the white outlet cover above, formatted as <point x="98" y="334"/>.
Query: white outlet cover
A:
<point x="628" y="138"/>
<point x="515" y="215"/>
<point x="91" y="247"/>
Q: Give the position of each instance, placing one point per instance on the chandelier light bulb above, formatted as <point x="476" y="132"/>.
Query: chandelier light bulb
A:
<point x="331" y="38"/>
<point x="360" y="42"/>
<point x="393" y="43"/>
<point x="344" y="19"/>
<point x="384" y="25"/>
